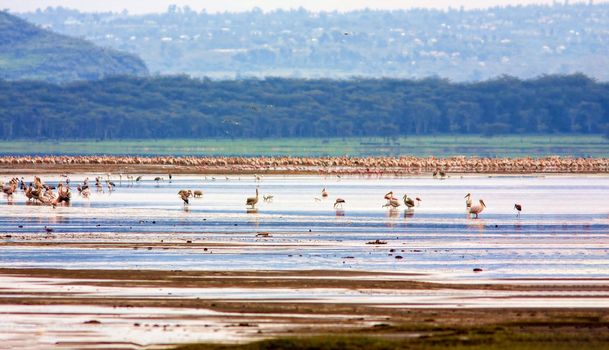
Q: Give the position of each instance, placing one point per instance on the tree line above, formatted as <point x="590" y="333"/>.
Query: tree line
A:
<point x="183" y="107"/>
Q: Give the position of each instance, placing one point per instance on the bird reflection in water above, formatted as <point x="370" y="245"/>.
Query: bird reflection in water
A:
<point x="252" y="210"/>
<point x="340" y="212"/>
<point x="408" y="213"/>
<point x="476" y="224"/>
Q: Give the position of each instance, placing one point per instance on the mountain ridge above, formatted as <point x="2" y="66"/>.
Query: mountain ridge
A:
<point x="28" y="52"/>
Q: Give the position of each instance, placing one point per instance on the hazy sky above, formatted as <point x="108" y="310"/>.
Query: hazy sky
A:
<point x="144" y="6"/>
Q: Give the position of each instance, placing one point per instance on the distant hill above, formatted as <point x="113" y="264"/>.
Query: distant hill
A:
<point x="30" y="52"/>
<point x="460" y="45"/>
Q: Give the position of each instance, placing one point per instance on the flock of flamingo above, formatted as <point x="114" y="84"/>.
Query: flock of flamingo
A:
<point x="37" y="192"/>
<point x="325" y="165"/>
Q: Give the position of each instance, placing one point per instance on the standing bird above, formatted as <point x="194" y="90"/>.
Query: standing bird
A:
<point x="138" y="179"/>
<point x="408" y="201"/>
<point x="251" y="201"/>
<point x="477" y="209"/>
<point x="389" y="196"/>
<point x="268" y="197"/>
<point x="339" y="201"/>
<point x="184" y="195"/>
<point x="419" y="200"/>
<point x="170" y="177"/>
<point x="393" y="202"/>
<point x="324" y="193"/>
<point x="197" y="194"/>
<point x="468" y="201"/>
<point x="518" y="208"/>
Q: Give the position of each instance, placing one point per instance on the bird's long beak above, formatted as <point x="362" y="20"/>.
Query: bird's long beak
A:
<point x="482" y="202"/>
<point x="467" y="195"/>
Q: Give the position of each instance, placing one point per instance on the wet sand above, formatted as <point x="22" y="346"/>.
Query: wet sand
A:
<point x="74" y="309"/>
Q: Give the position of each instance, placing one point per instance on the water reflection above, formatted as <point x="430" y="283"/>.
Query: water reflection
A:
<point x="573" y="239"/>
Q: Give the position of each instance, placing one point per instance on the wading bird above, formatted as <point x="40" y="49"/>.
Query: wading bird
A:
<point x="468" y="200"/>
<point x="408" y="201"/>
<point x="518" y="208"/>
<point x="184" y="194"/>
<point x="251" y="201"/>
<point x="268" y="197"/>
<point x="197" y="194"/>
<point x="324" y="193"/>
<point x="477" y="209"/>
<point x="339" y="202"/>
<point x="392" y="202"/>
<point x="419" y="200"/>
<point x="389" y="196"/>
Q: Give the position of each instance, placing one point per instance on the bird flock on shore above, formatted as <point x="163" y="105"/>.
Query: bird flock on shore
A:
<point x="330" y="165"/>
<point x="38" y="192"/>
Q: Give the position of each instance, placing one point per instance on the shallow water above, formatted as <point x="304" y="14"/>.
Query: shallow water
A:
<point x="563" y="231"/>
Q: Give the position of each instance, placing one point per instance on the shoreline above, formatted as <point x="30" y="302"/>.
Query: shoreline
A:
<point x="105" y="308"/>
<point x="373" y="166"/>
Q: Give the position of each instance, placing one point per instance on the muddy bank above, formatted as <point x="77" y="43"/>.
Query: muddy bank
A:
<point x="304" y="279"/>
<point x="303" y="165"/>
<point x="100" y="309"/>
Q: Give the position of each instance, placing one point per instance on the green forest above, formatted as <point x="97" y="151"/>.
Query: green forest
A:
<point x="182" y="107"/>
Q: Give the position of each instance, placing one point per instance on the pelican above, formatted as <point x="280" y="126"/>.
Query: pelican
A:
<point x="392" y="202"/>
<point x="339" y="201"/>
<point x="389" y="196"/>
<point x="477" y="209"/>
<point x="324" y="193"/>
<point x="252" y="200"/>
<point x="518" y="208"/>
<point x="468" y="200"/>
<point x="408" y="201"/>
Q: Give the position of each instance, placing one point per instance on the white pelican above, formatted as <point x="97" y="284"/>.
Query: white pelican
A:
<point x="392" y="202"/>
<point x="477" y="209"/>
<point x="468" y="200"/>
<point x="408" y="201"/>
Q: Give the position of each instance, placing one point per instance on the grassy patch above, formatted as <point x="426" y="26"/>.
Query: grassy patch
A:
<point x="538" y="336"/>
<point x="440" y="146"/>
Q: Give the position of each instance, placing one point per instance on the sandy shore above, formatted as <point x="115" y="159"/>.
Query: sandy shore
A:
<point x="134" y="308"/>
<point x="301" y="165"/>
